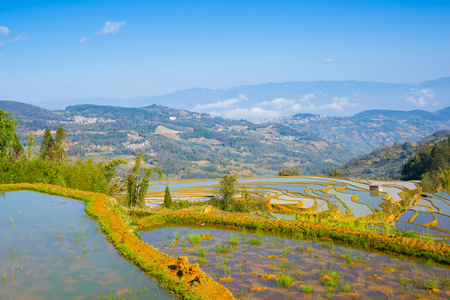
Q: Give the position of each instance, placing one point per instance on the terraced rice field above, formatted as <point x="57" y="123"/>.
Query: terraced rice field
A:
<point x="253" y="265"/>
<point x="431" y="215"/>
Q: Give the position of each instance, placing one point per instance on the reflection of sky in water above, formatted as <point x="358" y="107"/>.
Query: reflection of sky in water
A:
<point x="322" y="205"/>
<point x="423" y="218"/>
<point x="244" y="262"/>
<point x="357" y="209"/>
<point x="50" y="232"/>
<point x="335" y="201"/>
<point x="441" y="204"/>
<point x="427" y="203"/>
<point x="365" y="197"/>
<point x="421" y="208"/>
<point x="393" y="192"/>
<point x="407" y="216"/>
<point x="443" y="221"/>
<point x="419" y="229"/>
<point x="406" y="184"/>
<point x="291" y="188"/>
<point x="444" y="195"/>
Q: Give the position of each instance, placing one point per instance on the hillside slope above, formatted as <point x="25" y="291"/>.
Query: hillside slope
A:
<point x="371" y="129"/>
<point x="387" y="162"/>
<point x="191" y="145"/>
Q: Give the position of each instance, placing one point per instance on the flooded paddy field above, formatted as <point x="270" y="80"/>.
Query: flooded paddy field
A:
<point x="50" y="249"/>
<point x="318" y="194"/>
<point x="253" y="265"/>
<point x="303" y="189"/>
<point x="429" y="215"/>
<point x="306" y="190"/>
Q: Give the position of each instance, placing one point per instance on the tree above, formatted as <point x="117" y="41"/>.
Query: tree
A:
<point x="53" y="148"/>
<point x="7" y="132"/>
<point x="15" y="150"/>
<point x="227" y="191"/>
<point x="138" y="181"/>
<point x="109" y="171"/>
<point x="47" y="145"/>
<point x="289" y="172"/>
<point x="167" y="198"/>
<point x="31" y="146"/>
<point x="335" y="173"/>
<point x="59" y="153"/>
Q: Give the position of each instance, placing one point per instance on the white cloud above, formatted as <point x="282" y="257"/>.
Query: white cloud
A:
<point x="83" y="39"/>
<point x="329" y="60"/>
<point x="111" y="27"/>
<point x="420" y="97"/>
<point x="219" y="104"/>
<point x="4" y="30"/>
<point x="2" y="44"/>
<point x="20" y="37"/>
<point x="307" y="97"/>
<point x="289" y="106"/>
<point x="253" y="113"/>
<point x="279" y="103"/>
<point x="338" y="103"/>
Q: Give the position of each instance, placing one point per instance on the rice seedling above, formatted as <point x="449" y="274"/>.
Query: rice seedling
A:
<point x="284" y="280"/>
<point x="201" y="251"/>
<point x="430" y="284"/>
<point x="244" y="236"/>
<point x="330" y="279"/>
<point x="285" y="265"/>
<point x="307" y="289"/>
<point x="195" y="239"/>
<point x="255" y="242"/>
<point x="286" y="250"/>
<point x="278" y="241"/>
<point x="176" y="234"/>
<point x="234" y="239"/>
<point x="183" y="241"/>
<point x="344" y="288"/>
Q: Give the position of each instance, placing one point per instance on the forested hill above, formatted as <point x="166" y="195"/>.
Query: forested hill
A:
<point x="190" y="145"/>
<point x="387" y="162"/>
<point x="371" y="129"/>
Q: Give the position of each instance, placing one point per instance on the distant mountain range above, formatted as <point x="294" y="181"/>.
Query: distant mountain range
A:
<point x="198" y="145"/>
<point x="273" y="100"/>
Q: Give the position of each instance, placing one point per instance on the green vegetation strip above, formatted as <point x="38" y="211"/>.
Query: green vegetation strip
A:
<point x="115" y="225"/>
<point x="380" y="241"/>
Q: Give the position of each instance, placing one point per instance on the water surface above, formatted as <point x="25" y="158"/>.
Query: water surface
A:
<point x="50" y="249"/>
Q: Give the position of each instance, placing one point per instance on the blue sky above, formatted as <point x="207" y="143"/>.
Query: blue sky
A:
<point x="60" y="50"/>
